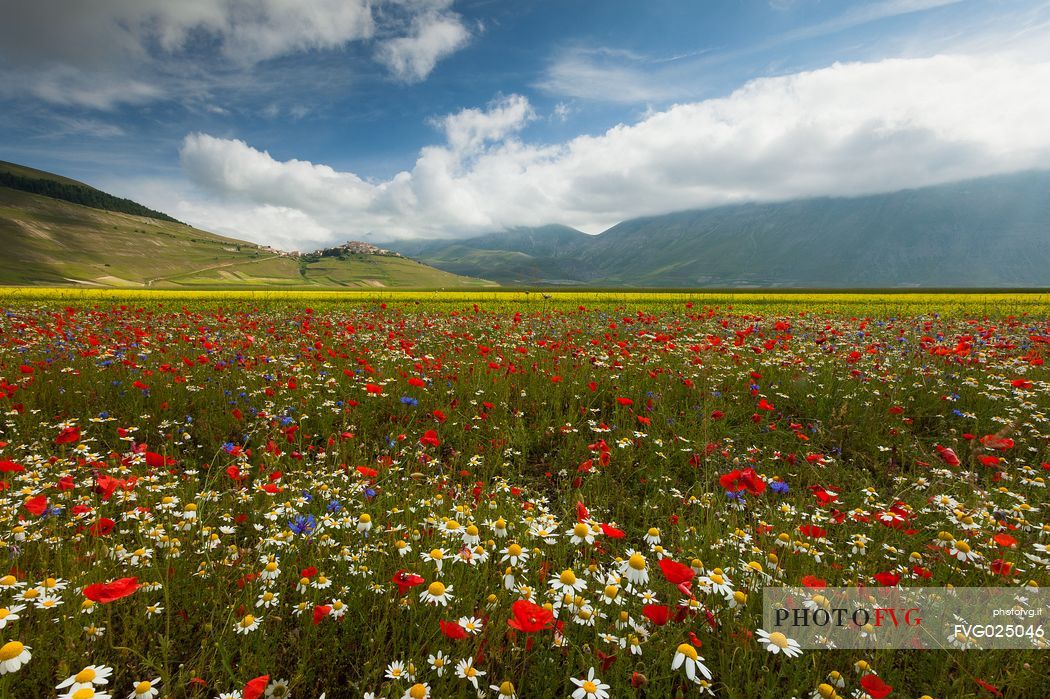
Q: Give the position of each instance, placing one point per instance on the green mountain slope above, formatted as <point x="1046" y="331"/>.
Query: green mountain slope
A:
<point x="52" y="242"/>
<point x="991" y="232"/>
<point x="543" y="255"/>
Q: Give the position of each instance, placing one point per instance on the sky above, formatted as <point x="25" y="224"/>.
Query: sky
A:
<point x="306" y="123"/>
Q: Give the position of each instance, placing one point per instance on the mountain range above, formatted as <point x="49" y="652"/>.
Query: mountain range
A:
<point x="988" y="232"/>
<point x="992" y="232"/>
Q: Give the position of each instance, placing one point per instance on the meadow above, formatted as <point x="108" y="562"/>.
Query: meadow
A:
<point x="458" y="494"/>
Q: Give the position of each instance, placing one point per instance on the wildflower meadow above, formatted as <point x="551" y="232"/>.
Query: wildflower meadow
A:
<point x="507" y="496"/>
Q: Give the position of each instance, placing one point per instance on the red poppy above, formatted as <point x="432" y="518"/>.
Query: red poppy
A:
<point x="813" y="582"/>
<point x="989" y="687"/>
<point x="948" y="455"/>
<point x="103" y="526"/>
<point x="37" y="505"/>
<point x="104" y="593"/>
<point x="452" y="630"/>
<point x="659" y="614"/>
<point x="10" y="467"/>
<point x="320" y="612"/>
<point x="1001" y="567"/>
<point x="405" y="581"/>
<point x="430" y="438"/>
<point x="813" y="531"/>
<point x="529" y="617"/>
<point x="582" y="512"/>
<point x="676" y="573"/>
<point x="255" y="688"/>
<point x="625" y="401"/>
<point x="1005" y="540"/>
<point x="994" y="441"/>
<point x="612" y="532"/>
<point x="373" y="388"/>
<point x="874" y="686"/>
<point x="68" y="436"/>
<point x="746" y="479"/>
<point x="154" y="460"/>
<point x="764" y="404"/>
<point x="887" y="579"/>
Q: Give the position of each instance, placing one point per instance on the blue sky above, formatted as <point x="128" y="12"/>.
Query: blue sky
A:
<point x="309" y="122"/>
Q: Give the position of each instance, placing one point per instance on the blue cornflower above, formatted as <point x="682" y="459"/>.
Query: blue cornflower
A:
<point x="779" y="487"/>
<point x="303" y="524"/>
<point x="409" y="400"/>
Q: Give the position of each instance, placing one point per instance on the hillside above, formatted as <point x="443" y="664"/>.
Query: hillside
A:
<point x="543" y="255"/>
<point x="53" y="242"/>
<point x="991" y="232"/>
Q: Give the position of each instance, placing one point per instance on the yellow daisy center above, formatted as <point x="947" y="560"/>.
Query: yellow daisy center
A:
<point x="567" y="577"/>
<point x="590" y="687"/>
<point x="778" y="639"/>
<point x="417" y="691"/>
<point x="11" y="649"/>
<point x="636" y="561"/>
<point x="85" y="675"/>
<point x="436" y="589"/>
<point x="688" y="651"/>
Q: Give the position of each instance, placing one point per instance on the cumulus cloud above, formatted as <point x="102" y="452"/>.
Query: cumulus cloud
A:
<point x="105" y="53"/>
<point x="846" y="129"/>
<point x="434" y="33"/>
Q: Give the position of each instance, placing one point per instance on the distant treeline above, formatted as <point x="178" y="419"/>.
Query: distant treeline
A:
<point x="79" y="194"/>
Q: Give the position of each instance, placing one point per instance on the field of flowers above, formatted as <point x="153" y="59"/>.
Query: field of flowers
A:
<point x="520" y="495"/>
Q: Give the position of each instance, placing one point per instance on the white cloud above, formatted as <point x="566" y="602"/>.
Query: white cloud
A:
<point x="434" y="33"/>
<point x="104" y="53"/>
<point x="468" y="129"/>
<point x="605" y="75"/>
<point x="846" y="129"/>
